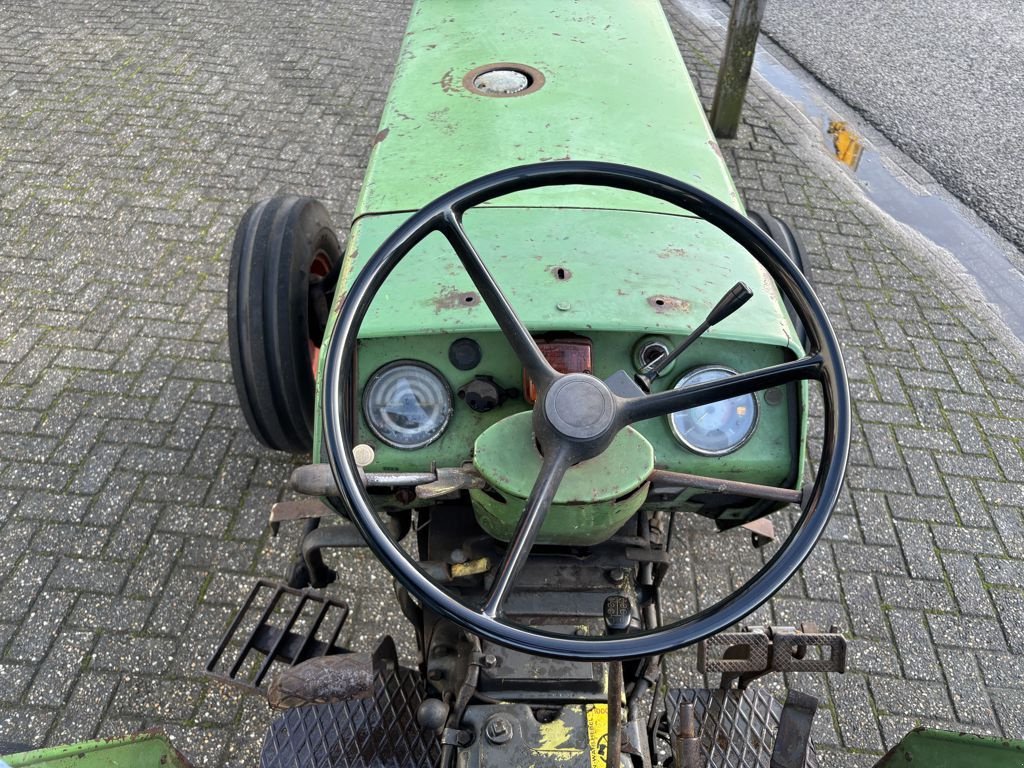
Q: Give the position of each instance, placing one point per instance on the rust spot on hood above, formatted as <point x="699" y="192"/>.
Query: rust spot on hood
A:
<point x="718" y="150"/>
<point x="666" y="304"/>
<point x="672" y="253"/>
<point x="381" y="135"/>
<point x="446" y="82"/>
<point x="453" y="299"/>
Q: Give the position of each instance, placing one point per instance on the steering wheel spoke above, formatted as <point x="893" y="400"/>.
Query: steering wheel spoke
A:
<point x="673" y="400"/>
<point x="534" y="513"/>
<point x="518" y="336"/>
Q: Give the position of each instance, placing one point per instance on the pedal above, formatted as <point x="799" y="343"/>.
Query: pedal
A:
<point x="755" y="651"/>
<point x="276" y="626"/>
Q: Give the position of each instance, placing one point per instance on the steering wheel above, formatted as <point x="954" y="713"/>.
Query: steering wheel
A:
<point x="576" y="415"/>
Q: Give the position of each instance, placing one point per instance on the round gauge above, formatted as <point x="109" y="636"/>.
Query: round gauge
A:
<point x="717" y="428"/>
<point x="407" y="404"/>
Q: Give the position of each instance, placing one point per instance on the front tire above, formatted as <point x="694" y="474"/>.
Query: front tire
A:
<point x="791" y="244"/>
<point x="284" y="262"/>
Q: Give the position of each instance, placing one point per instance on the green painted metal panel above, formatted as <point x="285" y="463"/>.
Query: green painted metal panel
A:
<point x="604" y="264"/>
<point x="619" y="264"/>
<point x="620" y="270"/>
<point x="766" y="458"/>
<point x="946" y="749"/>
<point x="566" y="524"/>
<point x="507" y="457"/>
<point x="595" y="498"/>
<point x="144" y="750"/>
<point x="615" y="89"/>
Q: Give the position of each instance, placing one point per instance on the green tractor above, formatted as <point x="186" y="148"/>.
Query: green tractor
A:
<point x="575" y="337"/>
<point x="554" y="332"/>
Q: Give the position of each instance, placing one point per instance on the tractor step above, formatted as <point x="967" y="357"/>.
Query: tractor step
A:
<point x="740" y="729"/>
<point x="377" y="731"/>
<point x="276" y="627"/>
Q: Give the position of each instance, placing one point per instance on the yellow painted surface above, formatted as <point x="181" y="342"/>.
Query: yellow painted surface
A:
<point x="471" y="568"/>
<point x="556" y="742"/>
<point x="597" y="734"/>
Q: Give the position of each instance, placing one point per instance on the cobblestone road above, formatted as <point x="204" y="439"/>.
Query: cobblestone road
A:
<point x="132" y="500"/>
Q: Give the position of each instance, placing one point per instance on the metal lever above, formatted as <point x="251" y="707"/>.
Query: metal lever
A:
<point x="686" y="738"/>
<point x="734" y="298"/>
<point x="617" y="615"/>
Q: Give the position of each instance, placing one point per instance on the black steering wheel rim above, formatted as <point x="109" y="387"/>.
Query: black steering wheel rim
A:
<point x="339" y="378"/>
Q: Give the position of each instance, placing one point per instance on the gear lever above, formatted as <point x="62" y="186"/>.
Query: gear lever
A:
<point x="734" y="298"/>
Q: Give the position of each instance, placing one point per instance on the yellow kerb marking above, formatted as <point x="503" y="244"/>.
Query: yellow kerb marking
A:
<point x="846" y="144"/>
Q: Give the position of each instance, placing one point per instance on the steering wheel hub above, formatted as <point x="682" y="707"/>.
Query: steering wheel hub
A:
<point x="580" y="407"/>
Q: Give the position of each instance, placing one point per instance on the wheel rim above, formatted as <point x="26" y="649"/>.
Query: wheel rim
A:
<point x="319" y="267"/>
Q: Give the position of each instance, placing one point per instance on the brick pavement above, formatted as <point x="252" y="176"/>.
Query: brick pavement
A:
<point x="133" y="136"/>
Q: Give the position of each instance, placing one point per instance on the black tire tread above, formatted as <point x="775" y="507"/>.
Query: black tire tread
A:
<point x="791" y="244"/>
<point x="268" y="317"/>
<point x="785" y="236"/>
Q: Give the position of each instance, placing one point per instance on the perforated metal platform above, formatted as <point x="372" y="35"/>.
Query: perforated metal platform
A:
<point x="737" y="729"/>
<point x="377" y="732"/>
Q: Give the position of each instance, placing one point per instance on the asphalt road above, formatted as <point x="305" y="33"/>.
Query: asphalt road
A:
<point x="941" y="80"/>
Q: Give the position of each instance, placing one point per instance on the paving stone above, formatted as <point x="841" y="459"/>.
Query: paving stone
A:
<point x="869" y="559"/>
<point x="127" y="653"/>
<point x="1010" y="606"/>
<point x="909" y="593"/>
<point x="971" y="511"/>
<point x="26" y="725"/>
<point x="968" y="588"/>
<point x="864" y="604"/>
<point x="1009" y="710"/>
<point x="957" y="631"/>
<point x="113" y="613"/>
<point x="966" y="687"/>
<point x="910" y="631"/>
<point x="85" y="708"/>
<point x="83" y="575"/>
<point x="855" y="713"/>
<point x="915" y="508"/>
<point x="64" y="662"/>
<point x="911" y="697"/>
<point x="875" y="519"/>
<point x="22" y="585"/>
<point x="39" y="625"/>
<point x="980" y="541"/>
<point x="873" y="657"/>
<point x="919" y="550"/>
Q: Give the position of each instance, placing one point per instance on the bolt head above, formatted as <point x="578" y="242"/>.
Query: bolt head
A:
<point x="499" y="729"/>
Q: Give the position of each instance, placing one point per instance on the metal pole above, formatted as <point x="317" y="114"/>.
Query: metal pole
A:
<point x="733" y="74"/>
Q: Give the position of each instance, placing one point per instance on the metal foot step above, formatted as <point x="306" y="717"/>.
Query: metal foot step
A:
<point x="378" y="731"/>
<point x="739" y="729"/>
<point x="276" y="627"/>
